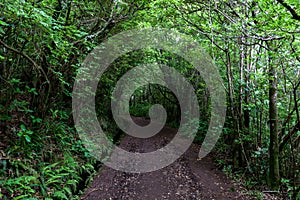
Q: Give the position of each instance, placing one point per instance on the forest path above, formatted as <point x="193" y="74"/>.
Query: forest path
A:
<point x="186" y="178"/>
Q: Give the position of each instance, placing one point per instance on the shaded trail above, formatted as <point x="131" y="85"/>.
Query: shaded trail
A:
<point x="186" y="178"/>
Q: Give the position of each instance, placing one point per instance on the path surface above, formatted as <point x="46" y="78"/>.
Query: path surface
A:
<point x="186" y="178"/>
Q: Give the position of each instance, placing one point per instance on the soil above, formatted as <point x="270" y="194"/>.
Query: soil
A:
<point x="187" y="178"/>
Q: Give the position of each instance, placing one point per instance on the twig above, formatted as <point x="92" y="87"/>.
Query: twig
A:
<point x="270" y="191"/>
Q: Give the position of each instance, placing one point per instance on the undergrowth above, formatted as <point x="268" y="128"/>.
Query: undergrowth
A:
<point x="45" y="160"/>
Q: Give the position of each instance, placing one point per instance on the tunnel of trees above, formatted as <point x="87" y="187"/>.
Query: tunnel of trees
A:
<point x="255" y="45"/>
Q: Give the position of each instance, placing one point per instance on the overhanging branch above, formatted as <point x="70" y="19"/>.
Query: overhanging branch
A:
<point x="290" y="9"/>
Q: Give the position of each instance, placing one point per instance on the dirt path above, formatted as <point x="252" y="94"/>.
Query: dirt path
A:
<point x="186" y="178"/>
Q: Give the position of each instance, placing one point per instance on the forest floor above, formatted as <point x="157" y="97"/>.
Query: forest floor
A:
<point x="187" y="178"/>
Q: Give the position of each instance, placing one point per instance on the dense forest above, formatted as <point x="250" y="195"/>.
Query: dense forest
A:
<point x="255" y="45"/>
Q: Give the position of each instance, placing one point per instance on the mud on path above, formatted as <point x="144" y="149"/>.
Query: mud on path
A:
<point x="186" y="178"/>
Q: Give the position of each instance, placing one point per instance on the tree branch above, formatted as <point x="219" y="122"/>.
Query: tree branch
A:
<point x="290" y="9"/>
<point x="39" y="68"/>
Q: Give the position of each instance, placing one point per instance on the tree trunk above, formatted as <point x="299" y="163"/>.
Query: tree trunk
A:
<point x="274" y="147"/>
<point x="235" y="135"/>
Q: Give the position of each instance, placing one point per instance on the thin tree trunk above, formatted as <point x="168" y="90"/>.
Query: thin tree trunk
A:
<point x="235" y="150"/>
<point x="274" y="146"/>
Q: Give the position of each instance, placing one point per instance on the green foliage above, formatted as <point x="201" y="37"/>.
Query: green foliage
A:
<point x="42" y="172"/>
<point x="25" y="134"/>
<point x="140" y="110"/>
<point x="43" y="44"/>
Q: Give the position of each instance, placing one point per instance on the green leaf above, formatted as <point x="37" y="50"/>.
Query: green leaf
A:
<point x="3" y="23"/>
<point x="23" y="127"/>
<point x="27" y="138"/>
<point x="68" y="191"/>
<point x="29" y="132"/>
<point x="60" y="195"/>
<point x="20" y="134"/>
<point x="21" y="197"/>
